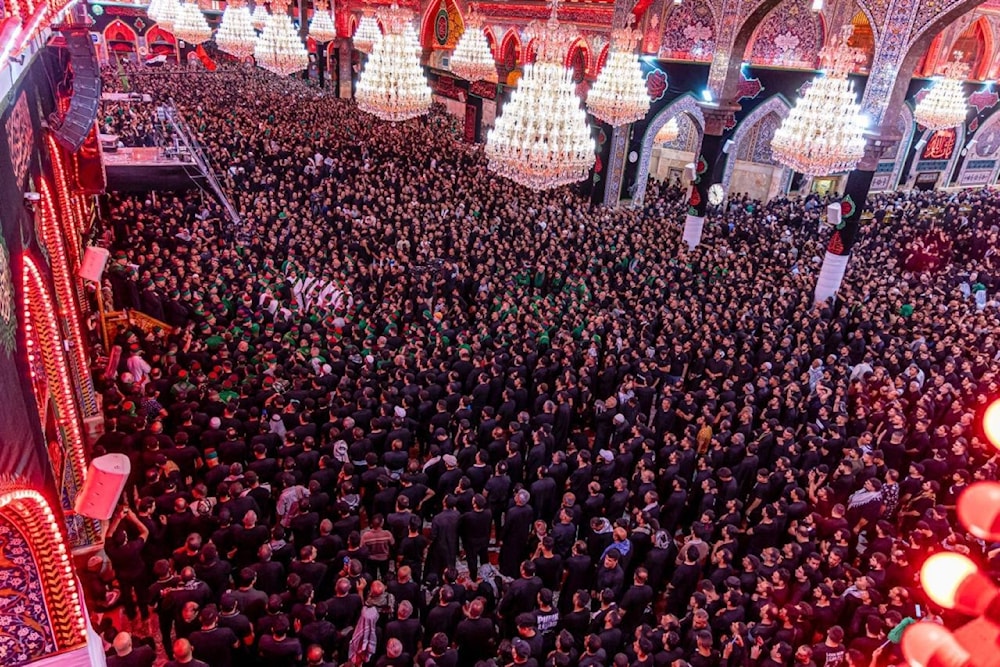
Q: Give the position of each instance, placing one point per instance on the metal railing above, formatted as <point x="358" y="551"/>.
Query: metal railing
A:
<point x="188" y="140"/>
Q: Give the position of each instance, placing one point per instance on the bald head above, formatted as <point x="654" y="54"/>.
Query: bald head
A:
<point x="123" y="644"/>
<point x="182" y="650"/>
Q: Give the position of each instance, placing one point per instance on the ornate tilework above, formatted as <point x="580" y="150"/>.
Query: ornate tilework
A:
<point x="791" y="36"/>
<point x="689" y="32"/>
<point x="8" y="304"/>
<point x="889" y="51"/>
<point x="616" y="166"/>
<point x="25" y="631"/>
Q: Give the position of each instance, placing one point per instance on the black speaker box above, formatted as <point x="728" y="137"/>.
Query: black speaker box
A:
<point x="73" y="129"/>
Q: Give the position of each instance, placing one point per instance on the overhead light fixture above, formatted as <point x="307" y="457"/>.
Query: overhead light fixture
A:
<point x="542" y="139"/>
<point x="472" y="59"/>
<point x="824" y="133"/>
<point x="392" y="84"/>
<point x="279" y="48"/>
<point x="191" y="25"/>
<point x="945" y="105"/>
<point x="236" y="34"/>
<point x="366" y="33"/>
<point x="619" y="96"/>
<point x="322" y="27"/>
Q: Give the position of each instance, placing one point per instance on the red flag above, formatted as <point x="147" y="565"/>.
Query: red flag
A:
<point x="204" y="58"/>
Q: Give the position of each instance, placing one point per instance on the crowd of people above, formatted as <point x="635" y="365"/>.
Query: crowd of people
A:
<point x="405" y="412"/>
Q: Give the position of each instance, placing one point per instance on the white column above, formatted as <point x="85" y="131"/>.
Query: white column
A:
<point x="830" y="275"/>
<point x="693" y="226"/>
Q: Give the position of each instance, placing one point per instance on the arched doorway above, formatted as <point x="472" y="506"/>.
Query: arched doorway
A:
<point x="863" y="38"/>
<point x="42" y="611"/>
<point x="122" y="41"/>
<point x="691" y="124"/>
<point x="751" y="169"/>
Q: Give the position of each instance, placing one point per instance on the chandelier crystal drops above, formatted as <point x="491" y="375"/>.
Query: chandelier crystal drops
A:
<point x="542" y="140"/>
<point x="167" y="14"/>
<point x="472" y="59"/>
<point x="668" y="132"/>
<point x="366" y="34"/>
<point x="322" y="28"/>
<point x="236" y="34"/>
<point x="945" y="105"/>
<point x="259" y="16"/>
<point x="154" y="9"/>
<point x="278" y="48"/>
<point x="191" y="25"/>
<point x="824" y="133"/>
<point x="619" y="94"/>
<point x="392" y="85"/>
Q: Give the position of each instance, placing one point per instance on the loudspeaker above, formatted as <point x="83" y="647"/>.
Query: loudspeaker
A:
<point x="834" y="213"/>
<point x="94" y="261"/>
<point x="106" y="479"/>
<point x="72" y="129"/>
<point x="728" y="146"/>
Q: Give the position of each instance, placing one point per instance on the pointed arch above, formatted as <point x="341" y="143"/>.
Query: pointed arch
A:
<point x="510" y="49"/>
<point x="119" y="32"/>
<point x="983" y="156"/>
<point x="777" y="105"/>
<point x="582" y="45"/>
<point x="685" y="104"/>
<point x="944" y="179"/>
<point x="491" y="39"/>
<point x="29" y="527"/>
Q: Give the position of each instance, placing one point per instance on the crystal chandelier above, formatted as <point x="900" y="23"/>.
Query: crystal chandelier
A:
<point x="322" y="28"/>
<point x="472" y="59"/>
<point x="824" y="133"/>
<point x="167" y="13"/>
<point x="236" y="35"/>
<point x="542" y="139"/>
<point x="190" y="24"/>
<point x="668" y="132"/>
<point x="392" y="85"/>
<point x="945" y="105"/>
<point x="619" y="95"/>
<point x="154" y="9"/>
<point x="259" y="16"/>
<point x="278" y="48"/>
<point x="366" y="33"/>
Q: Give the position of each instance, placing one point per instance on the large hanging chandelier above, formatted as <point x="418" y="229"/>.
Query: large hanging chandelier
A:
<point x="167" y="14"/>
<point x="542" y="139"/>
<point x="366" y="33"/>
<point x="236" y="35"/>
<point x="322" y="28"/>
<point x="259" y="16"/>
<point x="824" y="133"/>
<point x="945" y="105"/>
<point x="392" y="85"/>
<point x="668" y="132"/>
<point x="472" y="59"/>
<point x="619" y="95"/>
<point x="191" y="25"/>
<point x="154" y="9"/>
<point x="279" y="48"/>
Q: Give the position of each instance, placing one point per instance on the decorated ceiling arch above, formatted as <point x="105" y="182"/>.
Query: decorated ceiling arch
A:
<point x="689" y="32"/>
<point x="790" y="36"/>
<point x="441" y="25"/>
